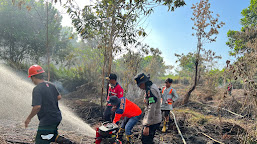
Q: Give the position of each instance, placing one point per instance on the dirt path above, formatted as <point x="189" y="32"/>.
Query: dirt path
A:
<point x="14" y="131"/>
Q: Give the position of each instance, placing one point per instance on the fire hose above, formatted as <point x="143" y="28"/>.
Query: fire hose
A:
<point x="178" y="127"/>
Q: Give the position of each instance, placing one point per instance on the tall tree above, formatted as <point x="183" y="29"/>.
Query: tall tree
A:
<point x="114" y="22"/>
<point x="244" y="47"/>
<point x="23" y="30"/>
<point x="205" y="27"/>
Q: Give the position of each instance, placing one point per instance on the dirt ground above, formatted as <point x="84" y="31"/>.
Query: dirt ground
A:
<point x="200" y="122"/>
<point x="225" y="132"/>
<point x="14" y="132"/>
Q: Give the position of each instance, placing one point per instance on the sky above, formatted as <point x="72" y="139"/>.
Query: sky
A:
<point x="171" y="32"/>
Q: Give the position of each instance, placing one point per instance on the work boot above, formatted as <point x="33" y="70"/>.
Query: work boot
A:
<point x="164" y="128"/>
<point x="120" y="134"/>
<point x="63" y="140"/>
<point x="129" y="139"/>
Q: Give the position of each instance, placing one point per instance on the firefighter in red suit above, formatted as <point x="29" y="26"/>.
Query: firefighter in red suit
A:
<point x="114" y="90"/>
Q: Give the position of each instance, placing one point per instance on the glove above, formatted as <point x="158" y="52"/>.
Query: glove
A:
<point x="170" y="101"/>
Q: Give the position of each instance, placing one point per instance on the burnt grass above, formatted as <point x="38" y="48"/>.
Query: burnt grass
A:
<point x="199" y="121"/>
<point x="225" y="132"/>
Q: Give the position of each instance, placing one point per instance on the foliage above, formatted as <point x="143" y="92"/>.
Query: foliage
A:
<point x="250" y="14"/>
<point x="22" y="32"/>
<point x="186" y="64"/>
<point x="249" y="21"/>
<point x="127" y="67"/>
<point x="130" y="64"/>
<point x="213" y="78"/>
<point x="114" y="22"/>
<point x="153" y="65"/>
<point x="244" y="46"/>
<point x="246" y="67"/>
<point x="177" y="79"/>
<point x="206" y="68"/>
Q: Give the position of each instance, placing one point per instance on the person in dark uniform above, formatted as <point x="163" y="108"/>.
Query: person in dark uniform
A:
<point x="45" y="98"/>
<point x="152" y="117"/>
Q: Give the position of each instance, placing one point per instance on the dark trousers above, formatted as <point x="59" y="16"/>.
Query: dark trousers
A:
<point x="166" y="113"/>
<point x="149" y="139"/>
<point x="109" y="114"/>
<point x="44" y="131"/>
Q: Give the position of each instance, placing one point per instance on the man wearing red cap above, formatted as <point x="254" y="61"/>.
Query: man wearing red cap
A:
<point x="45" y="98"/>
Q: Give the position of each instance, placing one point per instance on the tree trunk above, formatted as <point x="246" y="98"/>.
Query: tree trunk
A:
<point x="47" y="47"/>
<point x="187" y="96"/>
<point x="103" y="78"/>
<point x="110" y="61"/>
<point x="111" y="38"/>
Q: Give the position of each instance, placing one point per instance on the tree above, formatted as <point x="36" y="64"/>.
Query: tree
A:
<point x="249" y="21"/>
<point x="205" y="27"/>
<point x="244" y="47"/>
<point x="22" y="32"/>
<point x="114" y="23"/>
<point x="64" y="46"/>
<point x="206" y="65"/>
<point x="127" y="67"/>
<point x="250" y="14"/>
<point x="153" y="65"/>
<point x="186" y="65"/>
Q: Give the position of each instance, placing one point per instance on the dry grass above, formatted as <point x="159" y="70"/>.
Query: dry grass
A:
<point x="195" y="118"/>
<point x="2" y="141"/>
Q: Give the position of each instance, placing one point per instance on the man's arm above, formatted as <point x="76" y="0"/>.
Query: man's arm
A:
<point x="34" y="111"/>
<point x="59" y="97"/>
<point x="174" y="95"/>
<point x="117" y="118"/>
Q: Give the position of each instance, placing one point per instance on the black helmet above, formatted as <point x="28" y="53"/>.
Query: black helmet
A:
<point x="114" y="100"/>
<point x="141" y="78"/>
<point x="169" y="80"/>
<point x="112" y="76"/>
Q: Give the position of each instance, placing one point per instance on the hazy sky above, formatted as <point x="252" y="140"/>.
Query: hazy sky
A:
<point x="171" y="32"/>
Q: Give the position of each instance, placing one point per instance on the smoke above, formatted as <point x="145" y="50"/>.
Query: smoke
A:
<point x="134" y="92"/>
<point x="60" y="87"/>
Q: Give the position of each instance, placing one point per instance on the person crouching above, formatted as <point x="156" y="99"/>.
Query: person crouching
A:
<point x="131" y="113"/>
